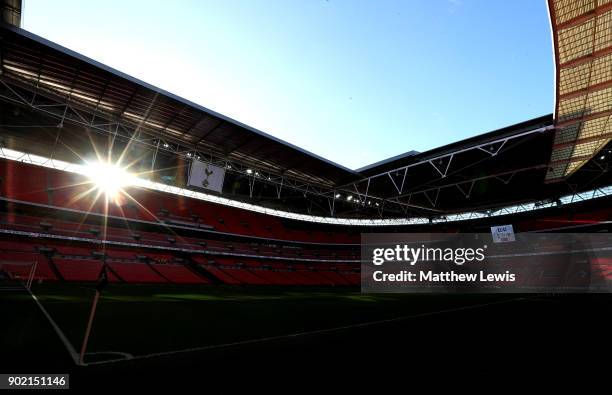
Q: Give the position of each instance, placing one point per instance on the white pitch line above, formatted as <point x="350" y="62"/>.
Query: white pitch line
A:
<point x="64" y="339"/>
<point x="300" y="334"/>
<point x="125" y="356"/>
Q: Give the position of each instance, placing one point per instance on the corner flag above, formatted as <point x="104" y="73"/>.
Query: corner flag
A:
<point x="102" y="282"/>
<point x="102" y="279"/>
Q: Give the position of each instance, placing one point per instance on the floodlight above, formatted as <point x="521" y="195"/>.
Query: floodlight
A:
<point x="108" y="178"/>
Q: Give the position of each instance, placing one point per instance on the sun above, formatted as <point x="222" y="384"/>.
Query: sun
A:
<point x="108" y="178"/>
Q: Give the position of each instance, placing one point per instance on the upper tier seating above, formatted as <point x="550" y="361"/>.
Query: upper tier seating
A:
<point x="61" y="189"/>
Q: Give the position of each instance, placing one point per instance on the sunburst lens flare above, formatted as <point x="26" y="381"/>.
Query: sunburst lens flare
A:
<point x="108" y="178"/>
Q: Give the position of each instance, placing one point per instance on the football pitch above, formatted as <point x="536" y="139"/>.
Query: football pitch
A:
<point x="151" y="327"/>
<point x="134" y="321"/>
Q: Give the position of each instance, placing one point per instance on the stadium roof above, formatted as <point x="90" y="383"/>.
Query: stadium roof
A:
<point x="399" y="161"/>
<point x="582" y="36"/>
<point x="110" y="94"/>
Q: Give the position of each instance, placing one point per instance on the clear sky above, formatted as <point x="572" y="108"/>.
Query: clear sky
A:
<point x="354" y="81"/>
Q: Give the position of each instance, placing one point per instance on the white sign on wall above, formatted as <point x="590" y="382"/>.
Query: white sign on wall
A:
<point x="207" y="176"/>
<point x="502" y="234"/>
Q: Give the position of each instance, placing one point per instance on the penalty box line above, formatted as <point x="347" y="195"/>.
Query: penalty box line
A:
<point x="73" y="354"/>
<point x="303" y="334"/>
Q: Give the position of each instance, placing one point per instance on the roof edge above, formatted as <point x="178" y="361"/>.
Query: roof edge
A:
<point x="118" y="73"/>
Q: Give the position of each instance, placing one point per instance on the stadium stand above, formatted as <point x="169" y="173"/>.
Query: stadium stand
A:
<point x="51" y="215"/>
<point x="130" y="244"/>
<point x="138" y="249"/>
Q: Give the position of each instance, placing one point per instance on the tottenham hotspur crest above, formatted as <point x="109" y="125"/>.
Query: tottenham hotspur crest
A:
<point x="207" y="173"/>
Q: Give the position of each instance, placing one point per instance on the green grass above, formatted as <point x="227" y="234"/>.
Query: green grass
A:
<point x="146" y="319"/>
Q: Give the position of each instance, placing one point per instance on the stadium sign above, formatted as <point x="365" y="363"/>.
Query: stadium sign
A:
<point x="207" y="176"/>
<point x="502" y="234"/>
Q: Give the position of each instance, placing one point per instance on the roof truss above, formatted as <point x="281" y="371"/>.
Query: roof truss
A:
<point x="582" y="35"/>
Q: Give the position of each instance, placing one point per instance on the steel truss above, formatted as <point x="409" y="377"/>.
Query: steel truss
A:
<point x="491" y="148"/>
<point x="355" y="194"/>
<point x="518" y="208"/>
<point x="65" y="110"/>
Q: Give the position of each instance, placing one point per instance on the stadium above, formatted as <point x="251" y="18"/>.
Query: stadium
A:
<point x="143" y="235"/>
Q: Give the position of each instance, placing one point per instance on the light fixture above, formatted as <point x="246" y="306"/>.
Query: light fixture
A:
<point x="108" y="178"/>
<point x="338" y="196"/>
<point x="349" y="198"/>
<point x="249" y="171"/>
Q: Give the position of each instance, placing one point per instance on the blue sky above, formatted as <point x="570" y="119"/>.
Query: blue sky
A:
<point x="353" y="81"/>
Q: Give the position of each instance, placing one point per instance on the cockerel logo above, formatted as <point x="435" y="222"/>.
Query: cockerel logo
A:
<point x="208" y="173"/>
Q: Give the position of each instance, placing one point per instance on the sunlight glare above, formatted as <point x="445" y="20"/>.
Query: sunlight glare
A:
<point x="110" y="179"/>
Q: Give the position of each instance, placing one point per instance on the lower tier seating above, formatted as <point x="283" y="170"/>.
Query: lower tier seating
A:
<point x="68" y="261"/>
<point x="179" y="274"/>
